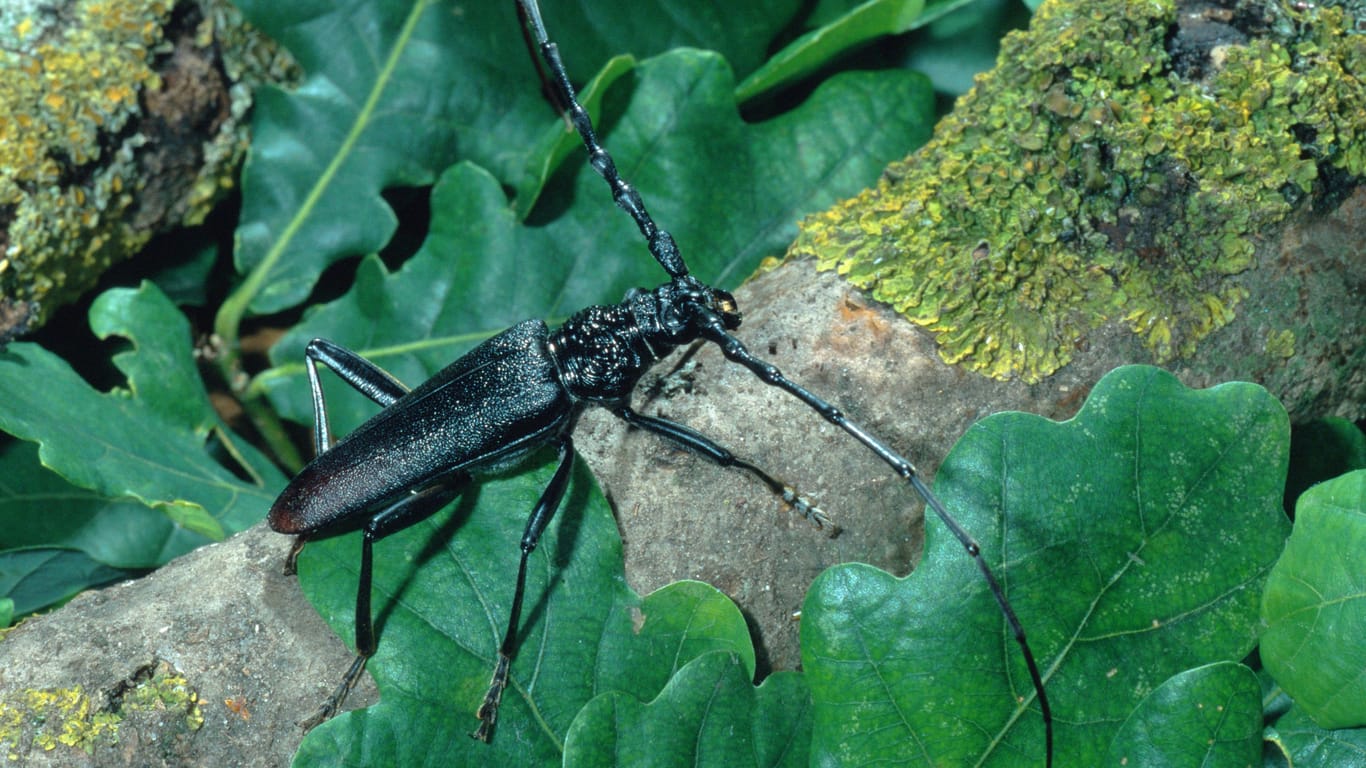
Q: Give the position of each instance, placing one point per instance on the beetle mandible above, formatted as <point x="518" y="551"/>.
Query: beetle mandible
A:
<point x="524" y="389"/>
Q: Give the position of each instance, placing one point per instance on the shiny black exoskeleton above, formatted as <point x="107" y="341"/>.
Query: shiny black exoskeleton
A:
<point x="602" y="352"/>
<point x="524" y="389"/>
<point x="515" y="392"/>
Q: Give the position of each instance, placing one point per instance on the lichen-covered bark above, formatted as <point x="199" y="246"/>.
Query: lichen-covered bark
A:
<point x="1121" y="164"/>
<point x="211" y="660"/>
<point x="119" y="119"/>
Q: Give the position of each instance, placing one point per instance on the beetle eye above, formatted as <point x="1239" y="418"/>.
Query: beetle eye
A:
<point x="723" y="304"/>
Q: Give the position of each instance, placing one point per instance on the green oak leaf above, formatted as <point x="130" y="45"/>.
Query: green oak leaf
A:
<point x="393" y="91"/>
<point x="1208" y="716"/>
<point x="1306" y="745"/>
<point x="1315" y="605"/>
<point x="708" y="715"/>
<point x="157" y="441"/>
<point x="1132" y="541"/>
<point x="40" y="509"/>
<point x="57" y="540"/>
<point x="856" y="26"/>
<point x="42" y="577"/>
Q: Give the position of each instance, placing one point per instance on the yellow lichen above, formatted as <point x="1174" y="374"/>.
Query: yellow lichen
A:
<point x="1083" y="181"/>
<point x="59" y="97"/>
<point x="46" y="718"/>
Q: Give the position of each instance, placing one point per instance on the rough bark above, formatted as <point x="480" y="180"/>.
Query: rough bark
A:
<point x="223" y="624"/>
<point x="127" y="120"/>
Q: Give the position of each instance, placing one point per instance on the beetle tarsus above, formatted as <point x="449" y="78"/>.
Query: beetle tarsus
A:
<point x="813" y="514"/>
<point x="333" y="703"/>
<point x="488" y="711"/>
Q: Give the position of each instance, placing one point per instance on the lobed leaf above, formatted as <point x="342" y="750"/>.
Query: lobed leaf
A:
<point x="38" y="578"/>
<point x="158" y="441"/>
<point x="396" y="90"/>
<point x="40" y="509"/>
<point x="1208" y="716"/>
<point x="1306" y="745"/>
<point x="708" y="714"/>
<point x="1132" y="541"/>
<point x="57" y="540"/>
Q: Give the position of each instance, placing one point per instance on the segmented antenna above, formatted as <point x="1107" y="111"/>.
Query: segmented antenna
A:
<point x="553" y="76"/>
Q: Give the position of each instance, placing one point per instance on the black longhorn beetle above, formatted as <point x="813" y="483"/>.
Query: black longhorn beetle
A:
<point x="524" y="389"/>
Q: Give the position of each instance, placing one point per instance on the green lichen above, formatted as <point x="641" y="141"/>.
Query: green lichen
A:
<point x="47" y="718"/>
<point x="165" y="691"/>
<point x="1083" y="180"/>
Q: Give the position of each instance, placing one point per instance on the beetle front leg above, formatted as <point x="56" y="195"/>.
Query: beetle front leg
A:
<point x="362" y="375"/>
<point x="417" y="506"/>
<point x="535" y="526"/>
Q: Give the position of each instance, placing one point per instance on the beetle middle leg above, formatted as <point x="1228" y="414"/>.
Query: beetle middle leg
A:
<point x="535" y="526"/>
<point x="701" y="445"/>
<point x="363" y="376"/>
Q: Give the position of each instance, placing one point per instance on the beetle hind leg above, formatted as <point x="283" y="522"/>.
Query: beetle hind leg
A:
<point x="411" y="509"/>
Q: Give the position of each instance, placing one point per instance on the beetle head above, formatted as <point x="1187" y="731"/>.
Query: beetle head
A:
<point x="686" y="303"/>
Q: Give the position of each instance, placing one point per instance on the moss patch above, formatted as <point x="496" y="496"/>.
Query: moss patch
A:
<point x="1096" y="174"/>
